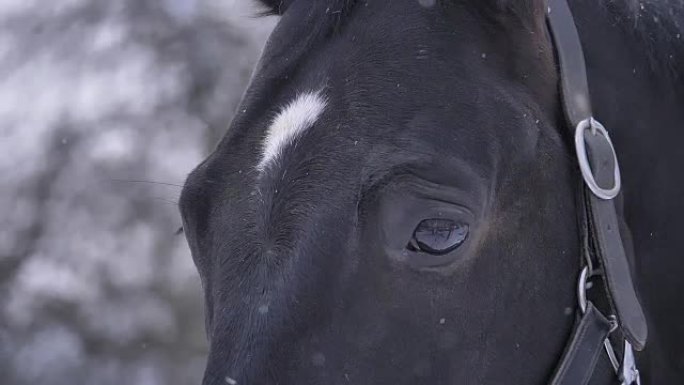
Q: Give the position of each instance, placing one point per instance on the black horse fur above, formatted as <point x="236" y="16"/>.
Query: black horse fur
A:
<point x="445" y="108"/>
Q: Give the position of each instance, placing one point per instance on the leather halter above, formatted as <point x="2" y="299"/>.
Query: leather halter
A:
<point x="604" y="256"/>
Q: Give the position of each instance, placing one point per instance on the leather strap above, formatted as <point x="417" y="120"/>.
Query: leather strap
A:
<point x="573" y="79"/>
<point x="582" y="353"/>
<point x="605" y="238"/>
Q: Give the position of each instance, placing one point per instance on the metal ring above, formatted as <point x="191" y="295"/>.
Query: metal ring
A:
<point x="582" y="289"/>
<point x="628" y="373"/>
<point x="587" y="174"/>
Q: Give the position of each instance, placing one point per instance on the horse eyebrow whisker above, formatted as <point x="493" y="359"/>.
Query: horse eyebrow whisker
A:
<point x="147" y="181"/>
<point x="169" y="201"/>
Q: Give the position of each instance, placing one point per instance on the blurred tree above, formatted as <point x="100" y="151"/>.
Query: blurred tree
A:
<point x="105" y="106"/>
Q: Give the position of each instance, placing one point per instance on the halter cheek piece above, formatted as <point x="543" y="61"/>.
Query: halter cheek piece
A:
<point x="604" y="256"/>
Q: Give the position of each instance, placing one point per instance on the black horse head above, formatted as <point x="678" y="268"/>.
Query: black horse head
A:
<point x="395" y="202"/>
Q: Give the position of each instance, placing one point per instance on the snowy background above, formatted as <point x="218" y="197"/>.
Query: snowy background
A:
<point x="105" y="106"/>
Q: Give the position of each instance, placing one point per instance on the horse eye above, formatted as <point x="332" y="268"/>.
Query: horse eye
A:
<point x="438" y="236"/>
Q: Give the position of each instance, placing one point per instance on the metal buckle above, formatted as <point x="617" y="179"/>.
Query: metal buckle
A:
<point x="584" y="276"/>
<point x="587" y="173"/>
<point x="629" y="374"/>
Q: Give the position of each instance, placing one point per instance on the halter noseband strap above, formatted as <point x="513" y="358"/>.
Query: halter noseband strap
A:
<point x="604" y="252"/>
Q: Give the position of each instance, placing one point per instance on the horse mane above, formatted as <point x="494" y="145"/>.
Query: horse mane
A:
<point x="277" y="7"/>
<point x="657" y="26"/>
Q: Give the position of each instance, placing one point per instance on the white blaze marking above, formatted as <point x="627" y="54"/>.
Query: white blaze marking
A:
<point x="292" y="120"/>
